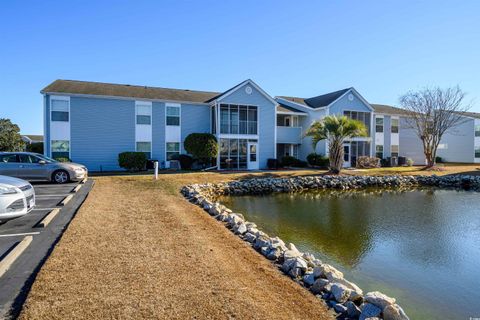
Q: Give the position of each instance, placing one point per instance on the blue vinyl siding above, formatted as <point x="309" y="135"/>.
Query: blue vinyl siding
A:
<point x="291" y="135"/>
<point x="459" y="142"/>
<point x="194" y="119"/>
<point x="100" y="130"/>
<point x="158" y="131"/>
<point x="344" y="104"/>
<point x="266" y="118"/>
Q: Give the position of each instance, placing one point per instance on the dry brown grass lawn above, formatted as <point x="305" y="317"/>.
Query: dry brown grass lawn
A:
<point x="137" y="249"/>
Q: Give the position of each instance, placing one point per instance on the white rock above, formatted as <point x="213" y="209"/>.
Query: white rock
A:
<point x="261" y="241"/>
<point x="308" y="256"/>
<point x="369" y="311"/>
<point x="291" y="246"/>
<point x="300" y="263"/>
<point x="250" y="237"/>
<point x="290" y="254"/>
<point x="240" y="228"/>
<point x="287" y="265"/>
<point x="274" y="253"/>
<point x="352" y="310"/>
<point x="331" y="273"/>
<point x="309" y="279"/>
<point x="379" y="299"/>
<point x="319" y="285"/>
<point x="340" y="292"/>
<point x="394" y="312"/>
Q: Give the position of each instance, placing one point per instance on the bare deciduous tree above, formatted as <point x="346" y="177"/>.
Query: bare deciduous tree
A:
<point x="431" y="112"/>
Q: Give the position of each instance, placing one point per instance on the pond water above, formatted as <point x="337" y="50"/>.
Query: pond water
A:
<point x="420" y="246"/>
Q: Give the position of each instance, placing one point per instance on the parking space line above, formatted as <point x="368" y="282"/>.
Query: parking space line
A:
<point x="7" y="261"/>
<point x="43" y="209"/>
<point x="19" y="234"/>
<point x="48" y="218"/>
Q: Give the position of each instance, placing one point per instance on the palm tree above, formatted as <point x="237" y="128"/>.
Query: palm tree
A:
<point x="335" y="130"/>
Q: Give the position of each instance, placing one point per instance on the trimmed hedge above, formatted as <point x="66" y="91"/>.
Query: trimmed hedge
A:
<point x="287" y="161"/>
<point x="318" y="160"/>
<point x="202" y="146"/>
<point x="273" y="163"/>
<point x="185" y="160"/>
<point x="63" y="159"/>
<point x="132" y="160"/>
<point x="36" y="147"/>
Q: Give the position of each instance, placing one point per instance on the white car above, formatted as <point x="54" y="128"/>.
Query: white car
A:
<point x="17" y="198"/>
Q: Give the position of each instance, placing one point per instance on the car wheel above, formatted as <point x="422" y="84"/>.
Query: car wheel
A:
<point x="60" y="176"/>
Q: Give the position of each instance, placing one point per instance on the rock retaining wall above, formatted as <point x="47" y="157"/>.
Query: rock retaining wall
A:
<point x="323" y="280"/>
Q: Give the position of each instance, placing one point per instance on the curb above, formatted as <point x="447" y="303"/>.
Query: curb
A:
<point x="77" y="188"/>
<point x="7" y="262"/>
<point x="66" y="200"/>
<point x="48" y="218"/>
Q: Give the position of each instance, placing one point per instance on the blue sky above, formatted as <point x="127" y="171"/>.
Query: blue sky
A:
<point x="300" y="48"/>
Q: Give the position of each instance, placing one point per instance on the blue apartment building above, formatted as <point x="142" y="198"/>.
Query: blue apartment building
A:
<point x="92" y="122"/>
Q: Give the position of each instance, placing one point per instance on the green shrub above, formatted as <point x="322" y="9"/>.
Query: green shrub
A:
<point x="132" y="160"/>
<point x="202" y="146"/>
<point x="410" y="162"/>
<point x="300" y="163"/>
<point x="318" y="160"/>
<point x="288" y="161"/>
<point x="185" y="160"/>
<point x="365" y="162"/>
<point x="63" y="159"/>
<point x="36" y="147"/>
<point x="438" y="159"/>
<point x="273" y="163"/>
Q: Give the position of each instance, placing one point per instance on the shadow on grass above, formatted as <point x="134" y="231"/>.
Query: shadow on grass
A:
<point x="466" y="173"/>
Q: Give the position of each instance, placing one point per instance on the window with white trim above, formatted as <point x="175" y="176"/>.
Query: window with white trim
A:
<point x="379" y="151"/>
<point x="60" y="149"/>
<point x="238" y="119"/>
<point x="173" y="116"/>
<point x="477" y="152"/>
<point x="379" y="124"/>
<point x="60" y="110"/>
<point x="394" y="126"/>
<point x="173" y="149"/>
<point x="144" y="114"/>
<point x="145" y="147"/>
<point x="477" y="130"/>
<point x="394" y="151"/>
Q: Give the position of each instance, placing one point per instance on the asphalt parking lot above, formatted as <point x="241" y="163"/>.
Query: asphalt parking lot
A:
<point x="17" y="280"/>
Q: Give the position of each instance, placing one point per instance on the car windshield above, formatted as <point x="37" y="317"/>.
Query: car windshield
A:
<point x="48" y="159"/>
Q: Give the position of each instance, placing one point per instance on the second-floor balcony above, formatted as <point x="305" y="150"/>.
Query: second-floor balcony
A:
<point x="291" y="135"/>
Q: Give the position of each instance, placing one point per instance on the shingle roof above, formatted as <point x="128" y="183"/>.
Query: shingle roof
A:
<point x="386" y="109"/>
<point x="285" y="108"/>
<point x="34" y="137"/>
<point x="126" y="90"/>
<point x="294" y="99"/>
<point x="325" y="99"/>
<point x="318" y="101"/>
<point x="475" y="115"/>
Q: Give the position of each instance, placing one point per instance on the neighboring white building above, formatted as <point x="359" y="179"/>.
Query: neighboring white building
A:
<point x="462" y="143"/>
